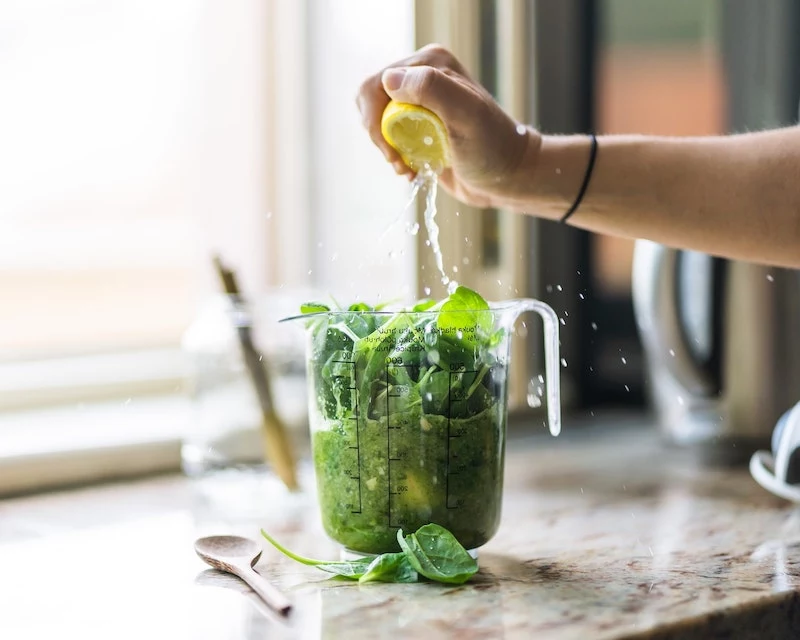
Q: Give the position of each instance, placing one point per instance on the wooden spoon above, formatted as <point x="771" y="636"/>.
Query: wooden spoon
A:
<point x="238" y="555"/>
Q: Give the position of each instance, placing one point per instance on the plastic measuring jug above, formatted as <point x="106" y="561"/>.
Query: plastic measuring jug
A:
<point x="408" y="414"/>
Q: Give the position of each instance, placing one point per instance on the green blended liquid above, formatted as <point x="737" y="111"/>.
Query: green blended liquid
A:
<point x="408" y="419"/>
<point x="463" y="496"/>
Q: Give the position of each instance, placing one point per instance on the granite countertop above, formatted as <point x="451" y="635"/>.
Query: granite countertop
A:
<point x="605" y="534"/>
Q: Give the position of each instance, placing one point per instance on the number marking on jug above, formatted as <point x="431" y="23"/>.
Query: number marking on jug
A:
<point x="356" y="477"/>
<point x="397" y="391"/>
<point x="454" y="394"/>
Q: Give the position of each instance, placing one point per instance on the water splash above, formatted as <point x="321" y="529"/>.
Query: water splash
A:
<point x="428" y="179"/>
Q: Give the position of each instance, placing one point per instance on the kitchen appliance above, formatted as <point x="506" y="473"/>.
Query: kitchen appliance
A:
<point x="722" y="345"/>
<point x="778" y="470"/>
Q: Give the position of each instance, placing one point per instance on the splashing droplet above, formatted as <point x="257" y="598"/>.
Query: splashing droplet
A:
<point x="522" y="129"/>
<point x="563" y="322"/>
<point x="624" y="360"/>
<point x="427" y="291"/>
<point x="563" y="362"/>
<point x="594" y="326"/>
<point x="412" y="228"/>
<point x="581" y="296"/>
<point x="672" y="352"/>
<point x="680" y="400"/>
<point x="770" y="277"/>
<point x="535" y="394"/>
<point x="627" y="388"/>
<point x="428" y="140"/>
<point x="559" y="287"/>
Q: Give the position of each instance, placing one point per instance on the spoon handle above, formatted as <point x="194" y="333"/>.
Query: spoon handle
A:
<point x="264" y="589"/>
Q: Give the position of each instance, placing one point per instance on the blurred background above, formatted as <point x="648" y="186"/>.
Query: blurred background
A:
<point x="139" y="139"/>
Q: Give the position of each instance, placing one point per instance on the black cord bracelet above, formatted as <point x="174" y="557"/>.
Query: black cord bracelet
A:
<point x="586" y="178"/>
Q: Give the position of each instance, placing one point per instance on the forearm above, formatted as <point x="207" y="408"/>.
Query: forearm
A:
<point x="734" y="196"/>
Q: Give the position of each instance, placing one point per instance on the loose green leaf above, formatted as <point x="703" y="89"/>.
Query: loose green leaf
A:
<point x="423" y="305"/>
<point x="352" y="569"/>
<point x="435" y="553"/>
<point x="314" y="307"/>
<point x="390" y="567"/>
<point x="466" y="314"/>
<point x="360" y="306"/>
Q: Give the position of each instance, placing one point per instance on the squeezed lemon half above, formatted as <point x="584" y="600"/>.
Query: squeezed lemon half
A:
<point x="417" y="134"/>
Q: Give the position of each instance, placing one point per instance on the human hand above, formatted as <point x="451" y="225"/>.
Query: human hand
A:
<point x="490" y="151"/>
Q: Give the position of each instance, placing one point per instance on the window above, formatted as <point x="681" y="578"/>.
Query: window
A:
<point x="140" y="139"/>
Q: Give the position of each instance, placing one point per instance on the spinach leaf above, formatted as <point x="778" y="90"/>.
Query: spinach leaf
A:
<point x="314" y="307"/>
<point x="390" y="567"/>
<point x="423" y="305"/>
<point x="360" y="306"/>
<point x="352" y="569"/>
<point x="435" y="553"/>
<point x="467" y="314"/>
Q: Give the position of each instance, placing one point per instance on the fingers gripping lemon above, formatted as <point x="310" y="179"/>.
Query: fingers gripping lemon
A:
<point x="417" y="134"/>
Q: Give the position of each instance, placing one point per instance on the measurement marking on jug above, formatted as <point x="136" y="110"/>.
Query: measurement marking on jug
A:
<point x="354" y="418"/>
<point x="400" y="391"/>
<point x="454" y="394"/>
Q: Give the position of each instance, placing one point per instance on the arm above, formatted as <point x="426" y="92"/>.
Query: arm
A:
<point x="736" y="196"/>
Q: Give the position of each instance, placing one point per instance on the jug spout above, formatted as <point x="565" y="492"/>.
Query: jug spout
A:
<point x="552" y="360"/>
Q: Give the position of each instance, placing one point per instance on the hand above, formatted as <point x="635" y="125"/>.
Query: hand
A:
<point x="491" y="153"/>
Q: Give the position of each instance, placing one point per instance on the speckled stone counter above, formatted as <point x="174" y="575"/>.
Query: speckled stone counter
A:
<point x="605" y="534"/>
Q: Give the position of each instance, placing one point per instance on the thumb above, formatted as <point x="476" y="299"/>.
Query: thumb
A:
<point x="425" y="86"/>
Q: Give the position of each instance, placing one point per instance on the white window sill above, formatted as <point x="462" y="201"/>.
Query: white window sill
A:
<point x="86" y="443"/>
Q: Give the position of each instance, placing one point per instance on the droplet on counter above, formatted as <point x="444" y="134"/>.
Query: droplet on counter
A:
<point x="428" y="140"/>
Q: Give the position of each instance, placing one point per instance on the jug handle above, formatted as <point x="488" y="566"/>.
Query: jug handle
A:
<point x="654" y="290"/>
<point x="552" y="360"/>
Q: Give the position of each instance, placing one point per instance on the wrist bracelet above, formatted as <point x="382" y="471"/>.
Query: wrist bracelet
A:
<point x="586" y="178"/>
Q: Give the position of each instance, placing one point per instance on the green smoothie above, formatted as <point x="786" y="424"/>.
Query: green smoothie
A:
<point x="408" y="417"/>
